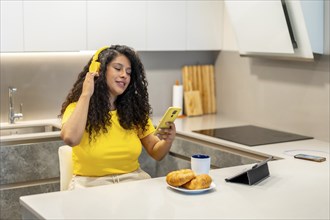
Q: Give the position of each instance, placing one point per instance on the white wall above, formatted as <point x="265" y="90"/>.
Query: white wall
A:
<point x="290" y="96"/>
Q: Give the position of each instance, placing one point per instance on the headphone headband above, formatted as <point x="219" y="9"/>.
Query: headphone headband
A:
<point x="95" y="65"/>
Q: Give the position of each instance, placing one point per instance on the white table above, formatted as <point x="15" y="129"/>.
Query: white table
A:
<point x="296" y="189"/>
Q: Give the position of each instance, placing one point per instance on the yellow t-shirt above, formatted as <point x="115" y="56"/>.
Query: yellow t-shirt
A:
<point x="115" y="152"/>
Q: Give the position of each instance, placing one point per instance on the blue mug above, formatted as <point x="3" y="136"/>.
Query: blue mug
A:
<point x="200" y="163"/>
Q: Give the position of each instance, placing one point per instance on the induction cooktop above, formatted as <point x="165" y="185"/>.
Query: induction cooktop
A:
<point x="251" y="135"/>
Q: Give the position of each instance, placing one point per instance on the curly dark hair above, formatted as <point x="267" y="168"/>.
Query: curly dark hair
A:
<point x="132" y="106"/>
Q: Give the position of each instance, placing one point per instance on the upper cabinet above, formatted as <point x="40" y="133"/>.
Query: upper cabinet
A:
<point x="204" y="25"/>
<point x="116" y="22"/>
<point x="155" y="25"/>
<point x="166" y="25"/>
<point x="59" y="25"/>
<point x="11" y="26"/>
<point x="278" y="28"/>
<point x="54" y="25"/>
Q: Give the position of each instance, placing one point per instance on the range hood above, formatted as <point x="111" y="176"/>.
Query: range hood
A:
<point x="278" y="28"/>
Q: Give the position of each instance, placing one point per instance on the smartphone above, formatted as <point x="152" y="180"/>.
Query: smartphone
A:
<point x="170" y="115"/>
<point x="310" y="157"/>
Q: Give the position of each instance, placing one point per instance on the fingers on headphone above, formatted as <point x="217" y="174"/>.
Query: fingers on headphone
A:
<point x="93" y="74"/>
<point x="96" y="74"/>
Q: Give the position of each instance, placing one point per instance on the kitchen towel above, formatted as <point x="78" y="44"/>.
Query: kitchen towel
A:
<point x="177" y="99"/>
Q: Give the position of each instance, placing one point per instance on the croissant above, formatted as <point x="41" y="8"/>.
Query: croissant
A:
<point x="180" y="177"/>
<point x="201" y="181"/>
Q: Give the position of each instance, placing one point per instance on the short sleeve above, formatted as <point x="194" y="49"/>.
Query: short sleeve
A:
<point x="150" y="129"/>
<point x="68" y="112"/>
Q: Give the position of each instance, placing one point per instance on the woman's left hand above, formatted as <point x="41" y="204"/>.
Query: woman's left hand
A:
<point x="167" y="134"/>
<point x="159" y="145"/>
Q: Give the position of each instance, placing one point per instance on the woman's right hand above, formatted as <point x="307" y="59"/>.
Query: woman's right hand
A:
<point x="88" y="85"/>
<point x="73" y="130"/>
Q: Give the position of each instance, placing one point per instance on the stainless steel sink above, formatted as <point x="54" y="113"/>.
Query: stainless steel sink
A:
<point x="28" y="132"/>
<point x="28" y="129"/>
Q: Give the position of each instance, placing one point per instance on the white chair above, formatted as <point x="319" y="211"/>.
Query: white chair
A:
<point x="66" y="166"/>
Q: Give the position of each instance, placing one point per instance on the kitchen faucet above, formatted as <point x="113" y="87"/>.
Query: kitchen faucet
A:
<point x="12" y="114"/>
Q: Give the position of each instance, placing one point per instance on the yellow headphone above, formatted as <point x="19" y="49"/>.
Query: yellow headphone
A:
<point x="95" y="65"/>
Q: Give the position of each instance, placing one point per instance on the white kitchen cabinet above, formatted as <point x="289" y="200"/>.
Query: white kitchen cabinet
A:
<point x="262" y="28"/>
<point x="11" y="26"/>
<point x="204" y="25"/>
<point x="116" y="22"/>
<point x="166" y="25"/>
<point x="54" y="25"/>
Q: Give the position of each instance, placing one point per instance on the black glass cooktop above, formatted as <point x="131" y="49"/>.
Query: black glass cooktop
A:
<point x="251" y="135"/>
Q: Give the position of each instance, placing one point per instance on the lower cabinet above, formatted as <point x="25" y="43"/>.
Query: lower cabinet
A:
<point x="161" y="168"/>
<point x="179" y="158"/>
<point x="10" y="206"/>
<point x="27" y="169"/>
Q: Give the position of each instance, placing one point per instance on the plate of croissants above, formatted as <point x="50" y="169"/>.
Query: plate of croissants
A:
<point x="186" y="180"/>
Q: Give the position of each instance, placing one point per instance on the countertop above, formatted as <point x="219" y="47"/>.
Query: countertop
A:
<point x="296" y="189"/>
<point x="185" y="126"/>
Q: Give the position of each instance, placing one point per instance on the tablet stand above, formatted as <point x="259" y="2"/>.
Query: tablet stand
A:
<point x="252" y="176"/>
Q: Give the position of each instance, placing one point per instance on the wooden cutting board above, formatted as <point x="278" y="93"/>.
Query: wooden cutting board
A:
<point x="192" y="102"/>
<point x="202" y="79"/>
<point x="208" y="90"/>
<point x="213" y="92"/>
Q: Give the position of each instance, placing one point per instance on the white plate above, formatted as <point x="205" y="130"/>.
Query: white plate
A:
<point x="181" y="189"/>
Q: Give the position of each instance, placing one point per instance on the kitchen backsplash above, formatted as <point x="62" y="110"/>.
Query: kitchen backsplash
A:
<point x="44" y="79"/>
<point x="291" y="96"/>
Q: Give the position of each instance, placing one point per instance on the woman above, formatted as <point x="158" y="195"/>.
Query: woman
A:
<point x="105" y="118"/>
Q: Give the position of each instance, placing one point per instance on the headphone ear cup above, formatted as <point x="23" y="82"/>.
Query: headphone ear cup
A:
<point x="94" y="67"/>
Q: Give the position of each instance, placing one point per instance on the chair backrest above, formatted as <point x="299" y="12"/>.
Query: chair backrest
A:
<point x="66" y="166"/>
